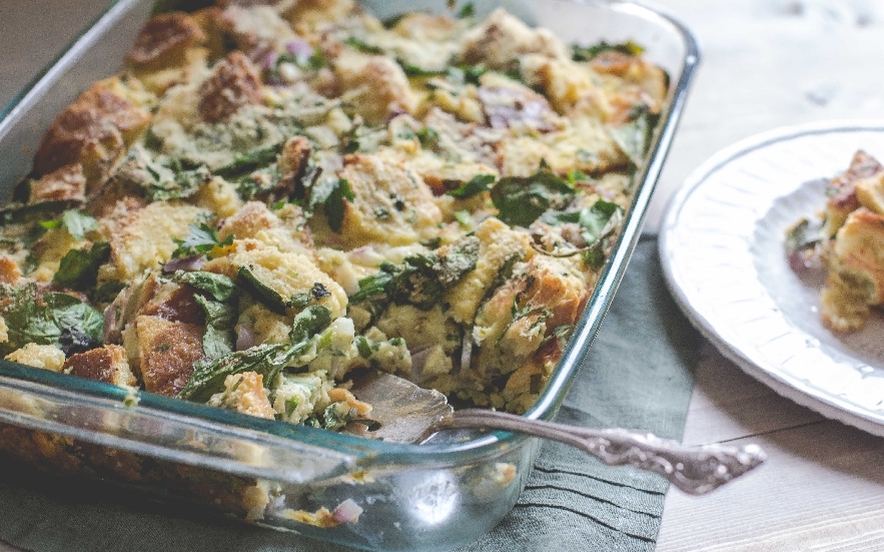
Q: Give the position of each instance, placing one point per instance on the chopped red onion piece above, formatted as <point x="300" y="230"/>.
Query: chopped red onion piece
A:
<point x="466" y="350"/>
<point x="268" y="61"/>
<point x="299" y="48"/>
<point x="418" y="361"/>
<point x="188" y="264"/>
<point x="347" y="511"/>
<point x="245" y="338"/>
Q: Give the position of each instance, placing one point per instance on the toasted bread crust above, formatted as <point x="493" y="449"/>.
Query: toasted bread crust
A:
<point x="234" y="83"/>
<point x="164" y="39"/>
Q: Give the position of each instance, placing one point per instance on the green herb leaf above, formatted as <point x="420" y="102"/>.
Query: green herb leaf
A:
<point x="578" y="176"/>
<point x="261" y="290"/>
<point x="362" y="46"/>
<point x="219" y="286"/>
<point x="331" y="194"/>
<point x="465" y="74"/>
<point x="804" y="236"/>
<point x="107" y="292"/>
<point x="266" y="359"/>
<point x="588" y="53"/>
<point x="522" y="200"/>
<point x="78" y="268"/>
<point x="363" y="346"/>
<point x="54" y="319"/>
<point x="310" y="322"/>
<point x="258" y="183"/>
<point x="428" y="137"/>
<point x="184" y="184"/>
<point x="334" y="417"/>
<point x="594" y="220"/>
<point x="200" y="239"/>
<point x="420" y="280"/>
<point x="208" y="375"/>
<point x="415" y="71"/>
<point x="76" y="223"/>
<point x="376" y="283"/>
<point x="475" y="186"/>
<point x="463" y="218"/>
<point x="218" y="341"/>
<point x="634" y="137"/>
<point x="312" y="62"/>
<point x="466" y="11"/>
<point x="247" y="162"/>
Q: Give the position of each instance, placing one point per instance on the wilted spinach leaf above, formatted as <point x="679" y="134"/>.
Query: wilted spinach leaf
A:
<point x="330" y="194"/>
<point x="466" y="11"/>
<point x="634" y="137"/>
<point x="50" y="319"/>
<point x="588" y="53"/>
<point x="266" y="359"/>
<point x="218" y="340"/>
<point x="79" y="267"/>
<point x="595" y="220"/>
<point x="245" y="163"/>
<point x="521" y="200"/>
<point x="475" y="186"/>
<point x="420" y="280"/>
<point x="219" y="286"/>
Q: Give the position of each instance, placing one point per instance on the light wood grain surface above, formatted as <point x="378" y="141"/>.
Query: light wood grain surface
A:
<point x="766" y="63"/>
<point x="770" y="63"/>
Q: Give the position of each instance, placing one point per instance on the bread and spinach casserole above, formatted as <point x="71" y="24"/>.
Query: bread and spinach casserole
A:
<point x="847" y="240"/>
<point x="269" y="198"/>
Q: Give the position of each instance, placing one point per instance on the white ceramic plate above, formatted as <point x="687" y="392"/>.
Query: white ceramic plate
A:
<point x="722" y="250"/>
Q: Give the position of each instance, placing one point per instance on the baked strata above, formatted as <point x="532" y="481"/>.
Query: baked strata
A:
<point x="849" y="238"/>
<point x="270" y="197"/>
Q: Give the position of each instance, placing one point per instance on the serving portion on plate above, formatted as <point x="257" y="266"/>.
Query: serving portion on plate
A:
<point x="724" y="250"/>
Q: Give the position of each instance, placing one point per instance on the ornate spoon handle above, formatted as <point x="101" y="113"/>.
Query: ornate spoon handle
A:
<point x="694" y="470"/>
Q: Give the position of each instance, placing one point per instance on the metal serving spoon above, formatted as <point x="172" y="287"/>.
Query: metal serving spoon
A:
<point x="402" y="412"/>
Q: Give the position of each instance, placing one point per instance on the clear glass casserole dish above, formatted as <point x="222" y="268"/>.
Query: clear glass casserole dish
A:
<point x="329" y="486"/>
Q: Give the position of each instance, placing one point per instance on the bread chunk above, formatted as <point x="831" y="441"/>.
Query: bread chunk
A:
<point x="93" y="131"/>
<point x="67" y="183"/>
<point x="164" y="40"/>
<point x="502" y="38"/>
<point x="108" y="364"/>
<point x="856" y="271"/>
<point x="245" y="393"/>
<point x="165" y="352"/>
<point x="391" y="202"/>
<point x="234" y="83"/>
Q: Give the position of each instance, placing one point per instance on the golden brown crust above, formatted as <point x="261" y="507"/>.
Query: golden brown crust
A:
<point x="164" y="39"/>
<point x="92" y="130"/>
<point x="294" y="157"/>
<point x="67" y="183"/>
<point x="175" y="303"/>
<point x="167" y="352"/>
<point x="107" y="364"/>
<point x="9" y="271"/>
<point x="234" y="83"/>
<point x="842" y="189"/>
<point x="252" y="218"/>
<point x="246" y="393"/>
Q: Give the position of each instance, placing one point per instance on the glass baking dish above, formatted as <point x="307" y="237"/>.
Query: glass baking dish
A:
<point x="325" y="485"/>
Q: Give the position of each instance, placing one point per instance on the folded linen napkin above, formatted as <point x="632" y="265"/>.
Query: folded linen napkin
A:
<point x="637" y="375"/>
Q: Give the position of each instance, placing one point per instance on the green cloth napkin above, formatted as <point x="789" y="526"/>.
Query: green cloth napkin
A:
<point x="637" y="375"/>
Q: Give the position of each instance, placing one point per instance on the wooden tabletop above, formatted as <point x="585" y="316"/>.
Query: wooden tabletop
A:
<point x="766" y="64"/>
